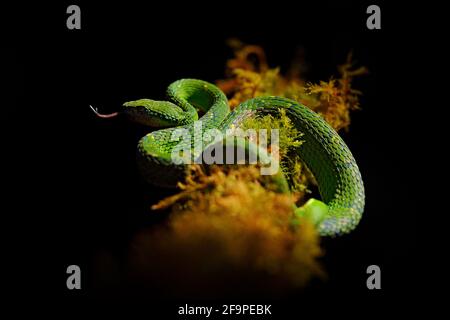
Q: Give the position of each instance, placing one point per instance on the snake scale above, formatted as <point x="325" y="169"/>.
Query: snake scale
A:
<point x="323" y="151"/>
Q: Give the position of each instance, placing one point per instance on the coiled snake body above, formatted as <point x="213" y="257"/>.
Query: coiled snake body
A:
<point x="323" y="151"/>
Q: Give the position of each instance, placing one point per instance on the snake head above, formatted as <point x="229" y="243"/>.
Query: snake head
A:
<point x="153" y="113"/>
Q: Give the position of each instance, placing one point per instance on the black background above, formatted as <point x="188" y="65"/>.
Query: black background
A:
<point x="83" y="195"/>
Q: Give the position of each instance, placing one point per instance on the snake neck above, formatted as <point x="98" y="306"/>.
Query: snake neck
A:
<point x="194" y="96"/>
<point x="191" y="96"/>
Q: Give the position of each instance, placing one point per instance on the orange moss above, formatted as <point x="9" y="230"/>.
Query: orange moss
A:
<point x="249" y="76"/>
<point x="227" y="228"/>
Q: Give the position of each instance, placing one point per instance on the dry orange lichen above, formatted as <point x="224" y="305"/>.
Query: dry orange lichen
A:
<point x="228" y="232"/>
<point x="249" y="76"/>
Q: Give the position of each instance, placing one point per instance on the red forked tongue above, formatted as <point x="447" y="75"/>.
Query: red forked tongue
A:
<point x="111" y="115"/>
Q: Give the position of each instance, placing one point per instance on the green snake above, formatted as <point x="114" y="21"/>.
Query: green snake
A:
<point x="323" y="151"/>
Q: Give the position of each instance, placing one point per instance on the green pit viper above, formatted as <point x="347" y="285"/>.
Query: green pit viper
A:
<point x="323" y="151"/>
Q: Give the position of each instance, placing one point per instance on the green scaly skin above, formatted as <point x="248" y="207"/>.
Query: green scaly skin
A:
<point x="323" y="151"/>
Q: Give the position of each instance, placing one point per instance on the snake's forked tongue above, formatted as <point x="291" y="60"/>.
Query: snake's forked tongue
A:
<point x="105" y="116"/>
